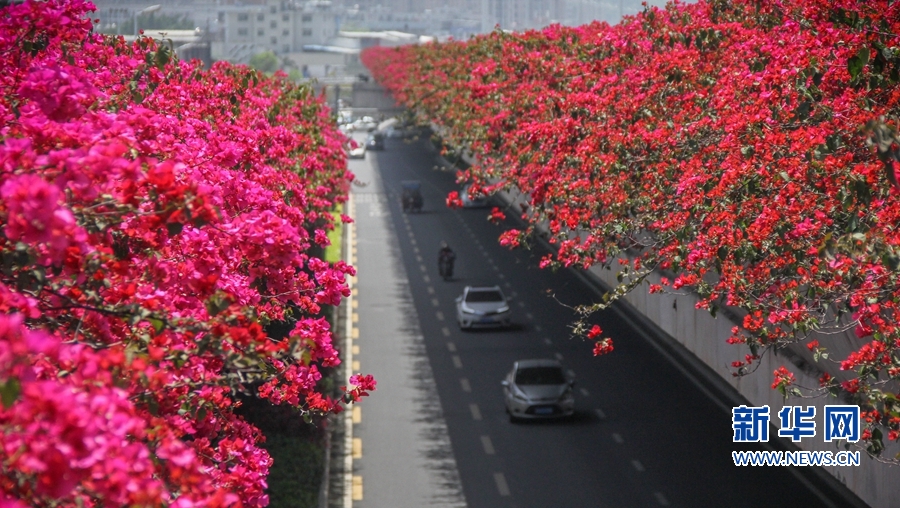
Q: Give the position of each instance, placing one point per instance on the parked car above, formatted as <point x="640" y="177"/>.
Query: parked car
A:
<point x="358" y="151"/>
<point x="375" y="141"/>
<point x="482" y="306"/>
<point x="366" y="123"/>
<point x="469" y="202"/>
<point x="538" y="389"/>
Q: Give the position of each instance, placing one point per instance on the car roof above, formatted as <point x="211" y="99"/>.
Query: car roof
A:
<point x="537" y="362"/>
<point x="483" y="288"/>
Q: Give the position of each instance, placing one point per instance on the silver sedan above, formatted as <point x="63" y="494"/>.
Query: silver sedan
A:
<point x="482" y="306"/>
<point x="538" y="389"/>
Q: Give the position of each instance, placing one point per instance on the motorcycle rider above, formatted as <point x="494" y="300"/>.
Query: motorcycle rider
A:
<point x="446" y="256"/>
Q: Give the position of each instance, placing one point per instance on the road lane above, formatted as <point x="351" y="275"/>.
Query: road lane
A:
<point x="643" y="435"/>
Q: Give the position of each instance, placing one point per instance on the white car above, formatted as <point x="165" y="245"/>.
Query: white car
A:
<point x="482" y="306"/>
<point x="538" y="389"/>
<point x="358" y="152"/>
<point x="366" y="123"/>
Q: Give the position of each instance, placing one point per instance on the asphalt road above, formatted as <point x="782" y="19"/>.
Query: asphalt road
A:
<point x="644" y="434"/>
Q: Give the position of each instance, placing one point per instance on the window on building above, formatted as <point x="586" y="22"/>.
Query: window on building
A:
<point x="260" y="33"/>
<point x="273" y="9"/>
<point x="285" y="33"/>
<point x="243" y="17"/>
<point x="306" y="18"/>
<point x="243" y="32"/>
<point x="307" y="32"/>
<point x="274" y="40"/>
<point x="285" y="49"/>
<point x="260" y="17"/>
<point x="273" y="24"/>
<point x="285" y="17"/>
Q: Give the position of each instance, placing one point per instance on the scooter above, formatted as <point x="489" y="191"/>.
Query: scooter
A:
<point x="445" y="267"/>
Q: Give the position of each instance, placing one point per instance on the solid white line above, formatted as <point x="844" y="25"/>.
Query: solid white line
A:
<point x="600" y="413"/>
<point x="476" y="413"/>
<point x="451" y="347"/>
<point x="661" y="499"/>
<point x="584" y="392"/>
<point x="502" y="487"/>
<point x="464" y="383"/>
<point x="618" y="438"/>
<point x="457" y="362"/>
<point x="637" y="465"/>
<point x="487" y="445"/>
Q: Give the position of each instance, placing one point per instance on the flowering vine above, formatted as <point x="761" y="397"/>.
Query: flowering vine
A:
<point x="726" y="144"/>
<point x="155" y="217"/>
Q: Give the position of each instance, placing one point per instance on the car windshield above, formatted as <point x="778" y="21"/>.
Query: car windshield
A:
<point x="483" y="296"/>
<point x="540" y="376"/>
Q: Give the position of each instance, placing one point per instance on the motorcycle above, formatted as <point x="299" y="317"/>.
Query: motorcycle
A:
<point x="445" y="265"/>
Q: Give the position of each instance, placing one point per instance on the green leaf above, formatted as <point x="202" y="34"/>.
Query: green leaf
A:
<point x="157" y="324"/>
<point x="856" y="63"/>
<point x="9" y="392"/>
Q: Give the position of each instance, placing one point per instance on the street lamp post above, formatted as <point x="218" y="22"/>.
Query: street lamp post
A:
<point x="146" y="10"/>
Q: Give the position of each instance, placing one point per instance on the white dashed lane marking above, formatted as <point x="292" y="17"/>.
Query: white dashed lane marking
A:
<point x="529" y="316"/>
<point x="618" y="438"/>
<point x="600" y="413"/>
<point x="637" y="465"/>
<point x="476" y="413"/>
<point x="584" y="392"/>
<point x="661" y="499"/>
<point x="547" y="340"/>
<point x="451" y="347"/>
<point x="445" y="331"/>
<point x="457" y="362"/>
<point x="487" y="445"/>
<point x="558" y="356"/>
<point x="502" y="487"/>
<point x="439" y="315"/>
<point x="464" y="384"/>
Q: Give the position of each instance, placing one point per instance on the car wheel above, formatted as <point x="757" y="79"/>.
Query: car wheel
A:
<point x="513" y="419"/>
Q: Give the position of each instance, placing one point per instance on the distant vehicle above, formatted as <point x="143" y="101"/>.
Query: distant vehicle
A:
<point x="366" y="123"/>
<point x="358" y="151"/>
<point x="411" y="196"/>
<point x="375" y="141"/>
<point x="469" y="202"/>
<point x="482" y="306"/>
<point x="538" y="389"/>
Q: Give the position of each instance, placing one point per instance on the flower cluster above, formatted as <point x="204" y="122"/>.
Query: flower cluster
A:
<point x="728" y="142"/>
<point x="155" y="217"/>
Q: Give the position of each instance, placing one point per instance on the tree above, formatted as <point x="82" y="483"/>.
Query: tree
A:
<point x="722" y="143"/>
<point x="155" y="217"/>
<point x="265" y="62"/>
